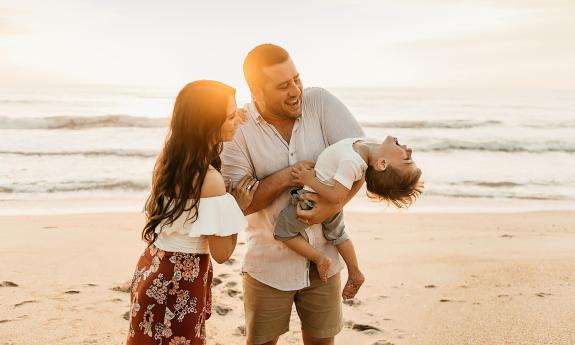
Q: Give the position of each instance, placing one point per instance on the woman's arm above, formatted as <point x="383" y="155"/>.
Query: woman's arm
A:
<point x="221" y="247"/>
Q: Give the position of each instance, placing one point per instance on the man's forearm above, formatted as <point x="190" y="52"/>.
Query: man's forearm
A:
<point x="269" y="189"/>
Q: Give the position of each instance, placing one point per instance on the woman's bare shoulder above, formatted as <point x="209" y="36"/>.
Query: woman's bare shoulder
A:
<point x="214" y="184"/>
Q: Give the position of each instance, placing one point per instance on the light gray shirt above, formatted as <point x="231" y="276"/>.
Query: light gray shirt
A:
<point x="259" y="150"/>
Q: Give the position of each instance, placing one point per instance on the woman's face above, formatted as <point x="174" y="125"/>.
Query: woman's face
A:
<point x="232" y="121"/>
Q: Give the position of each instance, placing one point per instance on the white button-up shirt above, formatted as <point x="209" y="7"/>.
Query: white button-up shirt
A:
<point x="259" y="150"/>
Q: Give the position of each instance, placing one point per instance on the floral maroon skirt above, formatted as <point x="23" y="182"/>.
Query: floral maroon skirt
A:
<point x="170" y="298"/>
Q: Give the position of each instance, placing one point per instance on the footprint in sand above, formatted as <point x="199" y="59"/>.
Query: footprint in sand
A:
<point x="352" y="302"/>
<point x="8" y="284"/>
<point x="543" y="294"/>
<point x="232" y="292"/>
<point x="24" y="302"/>
<point x="240" y="330"/>
<point x="362" y="327"/>
<point x="383" y="342"/>
<point x="222" y="310"/>
<point x="230" y="261"/>
<point x="216" y="281"/>
<point x="430" y="286"/>
<point x="126" y="315"/>
<point x="122" y="288"/>
<point x="231" y="284"/>
<point x="17" y="318"/>
<point x="72" y="292"/>
<point x="445" y="300"/>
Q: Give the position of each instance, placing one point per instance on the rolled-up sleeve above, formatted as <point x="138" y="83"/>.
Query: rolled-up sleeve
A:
<point x="235" y="159"/>
<point x="337" y="121"/>
<point x="348" y="172"/>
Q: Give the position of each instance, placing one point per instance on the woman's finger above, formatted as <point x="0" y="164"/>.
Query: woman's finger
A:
<point x="251" y="184"/>
<point x="243" y="181"/>
<point x="254" y="188"/>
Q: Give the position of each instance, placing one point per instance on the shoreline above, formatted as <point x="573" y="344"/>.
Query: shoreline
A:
<point x="133" y="202"/>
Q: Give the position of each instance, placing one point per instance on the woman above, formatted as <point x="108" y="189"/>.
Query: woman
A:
<point x="189" y="217"/>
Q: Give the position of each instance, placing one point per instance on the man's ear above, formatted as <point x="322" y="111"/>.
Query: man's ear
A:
<point x="257" y="94"/>
<point x="380" y="164"/>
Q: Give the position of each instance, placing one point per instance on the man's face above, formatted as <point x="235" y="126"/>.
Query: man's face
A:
<point x="281" y="93"/>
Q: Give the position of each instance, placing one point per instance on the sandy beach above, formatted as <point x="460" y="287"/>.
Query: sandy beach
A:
<point x="499" y="278"/>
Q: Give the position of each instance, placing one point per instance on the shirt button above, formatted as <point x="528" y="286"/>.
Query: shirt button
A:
<point x="291" y="154"/>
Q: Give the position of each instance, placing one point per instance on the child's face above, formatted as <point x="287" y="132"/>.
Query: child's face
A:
<point x="391" y="153"/>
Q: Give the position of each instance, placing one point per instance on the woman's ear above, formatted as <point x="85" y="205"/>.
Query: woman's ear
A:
<point x="380" y="164"/>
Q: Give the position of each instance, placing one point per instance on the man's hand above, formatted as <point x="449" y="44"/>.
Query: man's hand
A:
<point x="297" y="167"/>
<point x="303" y="175"/>
<point x="322" y="210"/>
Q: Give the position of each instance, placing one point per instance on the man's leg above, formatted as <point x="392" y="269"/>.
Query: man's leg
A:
<point x="319" y="309"/>
<point x="267" y="311"/>
<point x="309" y="340"/>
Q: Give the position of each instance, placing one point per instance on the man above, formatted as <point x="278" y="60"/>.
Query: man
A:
<point x="286" y="126"/>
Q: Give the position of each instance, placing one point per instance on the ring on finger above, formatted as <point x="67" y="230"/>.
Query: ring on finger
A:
<point x="249" y="187"/>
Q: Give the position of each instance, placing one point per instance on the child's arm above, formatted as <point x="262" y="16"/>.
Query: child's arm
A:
<point x="306" y="176"/>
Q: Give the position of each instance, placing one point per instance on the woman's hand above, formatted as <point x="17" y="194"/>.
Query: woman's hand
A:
<point x="303" y="175"/>
<point x="242" y="114"/>
<point x="228" y="184"/>
<point x="245" y="190"/>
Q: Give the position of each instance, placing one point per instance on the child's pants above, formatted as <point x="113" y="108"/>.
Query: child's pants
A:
<point x="287" y="226"/>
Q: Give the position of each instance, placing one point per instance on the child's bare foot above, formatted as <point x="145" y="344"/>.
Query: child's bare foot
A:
<point x="354" y="282"/>
<point x="323" y="264"/>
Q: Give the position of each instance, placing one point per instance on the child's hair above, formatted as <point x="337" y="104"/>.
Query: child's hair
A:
<point x="398" y="186"/>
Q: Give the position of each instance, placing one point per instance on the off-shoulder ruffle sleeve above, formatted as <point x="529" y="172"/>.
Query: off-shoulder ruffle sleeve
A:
<point x="218" y="215"/>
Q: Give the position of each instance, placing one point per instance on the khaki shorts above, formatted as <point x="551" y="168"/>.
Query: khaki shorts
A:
<point x="268" y="309"/>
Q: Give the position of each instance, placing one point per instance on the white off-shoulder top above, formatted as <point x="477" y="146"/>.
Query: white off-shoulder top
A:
<point x="218" y="215"/>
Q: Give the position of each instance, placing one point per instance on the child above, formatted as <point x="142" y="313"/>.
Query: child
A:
<point x="390" y="175"/>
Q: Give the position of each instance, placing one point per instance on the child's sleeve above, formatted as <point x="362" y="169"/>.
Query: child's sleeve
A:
<point x="348" y="171"/>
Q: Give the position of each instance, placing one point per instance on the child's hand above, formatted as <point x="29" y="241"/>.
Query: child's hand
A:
<point x="303" y="175"/>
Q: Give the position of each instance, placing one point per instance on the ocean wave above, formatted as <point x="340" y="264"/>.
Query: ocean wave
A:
<point x="454" y="194"/>
<point x="82" y="122"/>
<point x="78" y="186"/>
<point x="454" y="124"/>
<point x="497" y="184"/>
<point x="86" y="122"/>
<point x="97" y="153"/>
<point x="497" y="146"/>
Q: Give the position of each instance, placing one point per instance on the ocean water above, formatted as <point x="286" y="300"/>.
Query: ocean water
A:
<point x="500" y="146"/>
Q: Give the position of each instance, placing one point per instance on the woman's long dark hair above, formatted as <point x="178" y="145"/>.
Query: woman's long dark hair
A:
<point x="193" y="143"/>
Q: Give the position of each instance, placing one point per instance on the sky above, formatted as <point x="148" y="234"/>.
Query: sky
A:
<point x="407" y="43"/>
